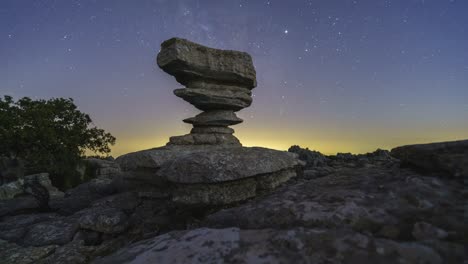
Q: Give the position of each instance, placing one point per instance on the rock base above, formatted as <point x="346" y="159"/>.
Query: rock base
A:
<point x="229" y="192"/>
<point x="208" y="174"/>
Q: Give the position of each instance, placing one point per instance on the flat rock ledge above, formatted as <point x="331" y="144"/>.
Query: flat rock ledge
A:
<point x="209" y="174"/>
<point x="447" y="158"/>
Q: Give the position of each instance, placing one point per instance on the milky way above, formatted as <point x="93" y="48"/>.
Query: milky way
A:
<point x="333" y="75"/>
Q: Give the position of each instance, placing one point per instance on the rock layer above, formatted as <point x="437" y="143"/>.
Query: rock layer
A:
<point x="192" y="63"/>
<point x="207" y="174"/>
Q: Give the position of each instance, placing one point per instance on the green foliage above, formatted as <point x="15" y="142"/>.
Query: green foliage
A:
<point x="50" y="135"/>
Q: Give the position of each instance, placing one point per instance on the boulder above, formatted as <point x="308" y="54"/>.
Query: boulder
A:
<point x="102" y="168"/>
<point x="11" y="189"/>
<point x="445" y="158"/>
<point x="106" y="220"/>
<point x="19" y="205"/>
<point x="13" y="228"/>
<point x="190" y="62"/>
<point x="84" y="194"/>
<point x="15" y="188"/>
<point x="312" y="158"/>
<point x="59" y="231"/>
<point x="11" y="253"/>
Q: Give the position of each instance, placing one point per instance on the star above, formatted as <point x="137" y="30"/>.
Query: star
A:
<point x="286" y="31"/>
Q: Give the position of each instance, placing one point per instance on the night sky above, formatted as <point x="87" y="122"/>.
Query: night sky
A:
<point x="333" y="75"/>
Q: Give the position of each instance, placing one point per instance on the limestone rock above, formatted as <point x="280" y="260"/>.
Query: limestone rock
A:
<point x="190" y="62"/>
<point x="15" y="188"/>
<point x="56" y="232"/>
<point x="43" y="179"/>
<point x="446" y="158"/>
<point x="84" y="194"/>
<point x="151" y="160"/>
<point x="211" y="130"/>
<point x="426" y="231"/>
<point x="11" y="253"/>
<point x="102" y="168"/>
<point x="227" y="165"/>
<point x="295" y="245"/>
<point x="364" y="199"/>
<point x="216" y="81"/>
<point x="13" y="228"/>
<point x="220" y="139"/>
<point x="215" y="99"/>
<point x="207" y="174"/>
<point x="11" y="189"/>
<point x="104" y="220"/>
<point x="214" y="118"/>
<point x="18" y="205"/>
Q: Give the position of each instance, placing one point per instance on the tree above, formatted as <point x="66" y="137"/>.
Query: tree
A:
<point x="49" y="135"/>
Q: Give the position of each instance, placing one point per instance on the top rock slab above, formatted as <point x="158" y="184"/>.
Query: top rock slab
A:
<point x="191" y="63"/>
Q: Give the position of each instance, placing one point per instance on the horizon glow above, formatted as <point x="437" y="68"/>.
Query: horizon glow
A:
<point x="333" y="76"/>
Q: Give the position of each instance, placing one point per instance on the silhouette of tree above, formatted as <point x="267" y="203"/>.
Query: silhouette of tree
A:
<point x="49" y="135"/>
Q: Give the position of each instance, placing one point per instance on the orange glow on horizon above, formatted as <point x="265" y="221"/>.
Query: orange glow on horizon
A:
<point x="323" y="144"/>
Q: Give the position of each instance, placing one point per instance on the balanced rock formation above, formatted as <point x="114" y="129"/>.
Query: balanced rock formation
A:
<point x="218" y="82"/>
<point x="209" y="165"/>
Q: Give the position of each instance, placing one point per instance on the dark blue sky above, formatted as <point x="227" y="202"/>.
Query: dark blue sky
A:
<point x="333" y="75"/>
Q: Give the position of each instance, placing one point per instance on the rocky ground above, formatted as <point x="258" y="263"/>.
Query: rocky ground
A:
<point x="342" y="209"/>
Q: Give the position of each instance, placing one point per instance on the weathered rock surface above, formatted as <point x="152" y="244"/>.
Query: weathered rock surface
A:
<point x="18" y="205"/>
<point x="374" y="212"/>
<point x="147" y="162"/>
<point x="213" y="99"/>
<point x="15" y="188"/>
<point x="84" y="194"/>
<point x="449" y="158"/>
<point x="101" y="168"/>
<point x="373" y="199"/>
<point x="217" y="82"/>
<point x="210" y="175"/>
<point x="104" y="220"/>
<point x="227" y="165"/>
<point x="297" y="245"/>
<point x="211" y="130"/>
<point x="11" y="253"/>
<point x="221" y="139"/>
<point x="217" y="118"/>
<point x="13" y="228"/>
<point x="57" y="232"/>
<point x="190" y="62"/>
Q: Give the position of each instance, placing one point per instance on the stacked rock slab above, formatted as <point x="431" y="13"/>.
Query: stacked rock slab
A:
<point x="209" y="165"/>
<point x="218" y="82"/>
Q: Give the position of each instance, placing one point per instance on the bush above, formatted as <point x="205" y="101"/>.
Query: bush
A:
<point x="50" y="136"/>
